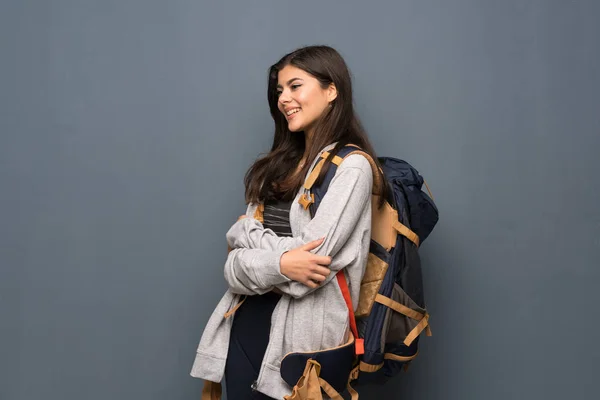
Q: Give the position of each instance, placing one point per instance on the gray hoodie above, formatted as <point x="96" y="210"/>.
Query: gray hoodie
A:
<point x="304" y="319"/>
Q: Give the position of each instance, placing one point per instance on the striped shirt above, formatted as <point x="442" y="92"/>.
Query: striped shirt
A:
<point x="277" y="217"/>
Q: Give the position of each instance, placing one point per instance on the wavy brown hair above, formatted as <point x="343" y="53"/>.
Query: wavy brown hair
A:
<point x="271" y="176"/>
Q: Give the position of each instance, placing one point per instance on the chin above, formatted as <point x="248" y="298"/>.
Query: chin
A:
<point x="295" y="128"/>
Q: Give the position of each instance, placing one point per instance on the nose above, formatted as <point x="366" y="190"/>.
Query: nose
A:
<point x="284" y="97"/>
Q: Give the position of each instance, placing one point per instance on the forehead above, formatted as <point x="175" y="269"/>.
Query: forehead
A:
<point x="290" y="72"/>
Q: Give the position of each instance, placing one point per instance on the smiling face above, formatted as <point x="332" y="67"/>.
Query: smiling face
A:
<point x="301" y="98"/>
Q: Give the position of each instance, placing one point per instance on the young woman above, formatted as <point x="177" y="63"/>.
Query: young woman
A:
<point x="284" y="267"/>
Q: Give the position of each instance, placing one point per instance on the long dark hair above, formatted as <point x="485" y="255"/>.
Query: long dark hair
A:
<point x="270" y="177"/>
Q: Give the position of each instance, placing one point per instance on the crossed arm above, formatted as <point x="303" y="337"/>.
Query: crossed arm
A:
<point x="254" y="266"/>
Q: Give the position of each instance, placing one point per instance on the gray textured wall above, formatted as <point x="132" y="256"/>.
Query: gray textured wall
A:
<point x="126" y="128"/>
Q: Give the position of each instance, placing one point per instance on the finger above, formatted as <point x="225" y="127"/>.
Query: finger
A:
<point x="312" y="245"/>
<point x="322" y="271"/>
<point x="322" y="260"/>
<point x="310" y="284"/>
<point x="317" y="278"/>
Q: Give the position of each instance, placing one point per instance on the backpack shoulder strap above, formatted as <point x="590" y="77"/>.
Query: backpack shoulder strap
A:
<point x="311" y="201"/>
<point x="337" y="161"/>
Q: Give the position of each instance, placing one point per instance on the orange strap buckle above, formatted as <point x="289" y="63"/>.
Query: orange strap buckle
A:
<point x="305" y="201"/>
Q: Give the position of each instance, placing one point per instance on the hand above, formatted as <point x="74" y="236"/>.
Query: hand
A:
<point x="302" y="266"/>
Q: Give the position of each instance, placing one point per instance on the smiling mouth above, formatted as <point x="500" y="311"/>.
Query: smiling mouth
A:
<point x="292" y="112"/>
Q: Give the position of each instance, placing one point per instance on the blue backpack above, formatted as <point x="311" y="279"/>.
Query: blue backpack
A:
<point x="391" y="313"/>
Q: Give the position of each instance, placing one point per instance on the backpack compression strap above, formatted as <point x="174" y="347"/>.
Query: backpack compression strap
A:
<point x="359" y="343"/>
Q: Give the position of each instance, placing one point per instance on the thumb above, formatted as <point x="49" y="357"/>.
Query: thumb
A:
<point x="312" y="245"/>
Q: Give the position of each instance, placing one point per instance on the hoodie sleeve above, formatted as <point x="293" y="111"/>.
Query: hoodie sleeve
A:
<point x="253" y="271"/>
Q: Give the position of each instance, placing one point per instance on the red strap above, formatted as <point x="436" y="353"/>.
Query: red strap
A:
<point x="359" y="343"/>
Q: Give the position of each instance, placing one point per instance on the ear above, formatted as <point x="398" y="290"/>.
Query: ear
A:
<point x="331" y="92"/>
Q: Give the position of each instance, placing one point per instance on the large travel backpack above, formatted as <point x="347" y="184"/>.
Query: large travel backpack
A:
<point x="391" y="313"/>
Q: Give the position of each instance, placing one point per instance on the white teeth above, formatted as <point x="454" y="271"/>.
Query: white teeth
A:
<point x="295" y="110"/>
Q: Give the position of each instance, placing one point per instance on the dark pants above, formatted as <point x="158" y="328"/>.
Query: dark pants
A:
<point x="247" y="346"/>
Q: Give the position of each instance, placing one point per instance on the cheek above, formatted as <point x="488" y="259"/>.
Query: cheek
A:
<point x="309" y="93"/>
<point x="306" y="101"/>
<point x="314" y="100"/>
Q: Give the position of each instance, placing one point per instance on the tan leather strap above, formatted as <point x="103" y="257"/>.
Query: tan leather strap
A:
<point x="395" y="357"/>
<point x="211" y="391"/>
<point x="353" y="393"/>
<point x="404" y="231"/>
<point x="310" y="384"/>
<point x="423" y="325"/>
<point x="370" y="367"/>
<point x="337" y="160"/>
<point x="305" y="201"/>
<point x="377" y="177"/>
<point x="329" y="390"/>
<point x="234" y="309"/>
<point x="353" y="376"/>
<point x="409" y="312"/>
<point x="314" y="174"/>
<point x="312" y="178"/>
<point x="401" y="308"/>
<point x="428" y="191"/>
<point x="258" y="214"/>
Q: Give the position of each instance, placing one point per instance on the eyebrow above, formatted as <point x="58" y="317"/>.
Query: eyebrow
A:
<point x="289" y="82"/>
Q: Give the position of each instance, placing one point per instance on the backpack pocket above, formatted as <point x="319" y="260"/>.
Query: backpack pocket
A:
<point x="403" y="317"/>
<point x="377" y="266"/>
<point x="403" y="324"/>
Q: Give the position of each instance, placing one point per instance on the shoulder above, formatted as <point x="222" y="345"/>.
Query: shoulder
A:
<point x="353" y="164"/>
<point x="356" y="169"/>
<point x="358" y="161"/>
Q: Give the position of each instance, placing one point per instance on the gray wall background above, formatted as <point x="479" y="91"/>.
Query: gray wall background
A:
<point x="126" y="128"/>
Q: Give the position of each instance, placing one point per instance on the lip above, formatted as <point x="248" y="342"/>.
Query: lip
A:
<point x="288" y="117"/>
